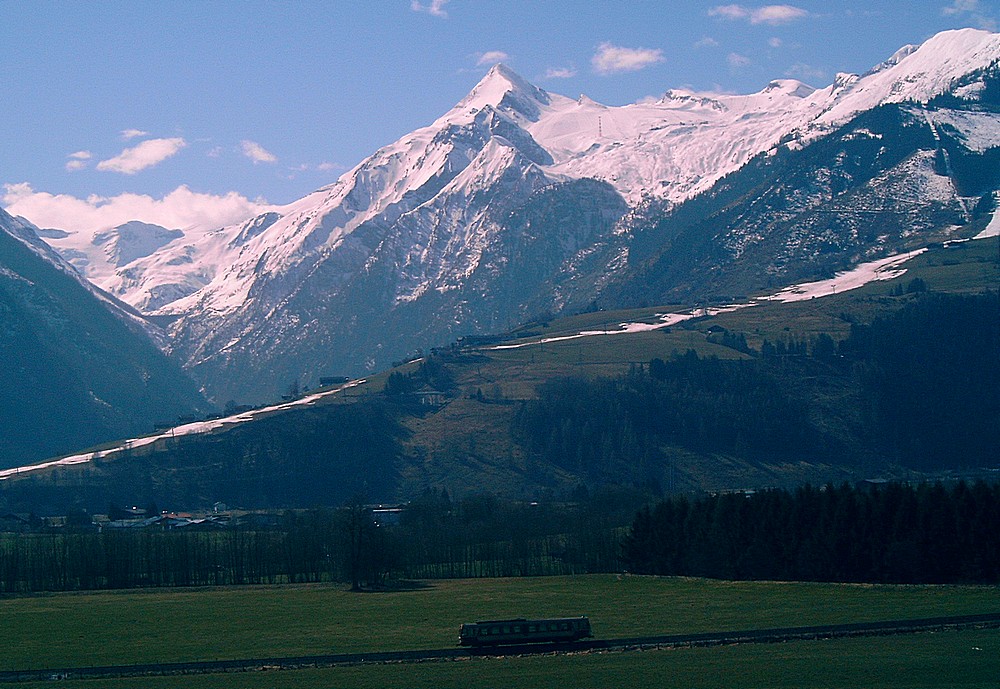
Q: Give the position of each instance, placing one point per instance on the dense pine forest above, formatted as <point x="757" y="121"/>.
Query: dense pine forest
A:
<point x="892" y="533"/>
<point x="918" y="388"/>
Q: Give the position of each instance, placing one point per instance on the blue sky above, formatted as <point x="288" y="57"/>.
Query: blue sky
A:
<point x="111" y="109"/>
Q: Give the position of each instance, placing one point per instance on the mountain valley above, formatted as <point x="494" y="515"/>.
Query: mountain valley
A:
<point x="540" y="217"/>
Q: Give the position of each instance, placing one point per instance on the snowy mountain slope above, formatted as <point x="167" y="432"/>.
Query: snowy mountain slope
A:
<point x="78" y="367"/>
<point x="876" y="186"/>
<point x="441" y="232"/>
<point x="918" y="73"/>
<point x="669" y="149"/>
<point x="683" y="143"/>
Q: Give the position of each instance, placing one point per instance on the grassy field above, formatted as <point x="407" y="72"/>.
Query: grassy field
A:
<point x="966" y="660"/>
<point x="68" y="630"/>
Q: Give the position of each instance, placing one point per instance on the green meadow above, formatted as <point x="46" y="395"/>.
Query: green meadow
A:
<point x="966" y="660"/>
<point x="69" y="630"/>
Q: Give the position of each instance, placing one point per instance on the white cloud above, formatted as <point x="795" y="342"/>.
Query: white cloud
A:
<point x="147" y="154"/>
<point x="707" y="42"/>
<point x="257" y="153"/>
<point x="775" y="42"/>
<point x="133" y="133"/>
<point x="737" y="61"/>
<point x="973" y="10"/>
<point x="434" y="7"/>
<point x="78" y="160"/>
<point x="180" y="208"/>
<point x="610" y="58"/>
<point x="767" y="14"/>
<point x="491" y="57"/>
<point x="777" y="14"/>
<point x="560" y="73"/>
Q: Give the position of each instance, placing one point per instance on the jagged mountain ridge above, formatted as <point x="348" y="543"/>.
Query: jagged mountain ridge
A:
<point x="78" y="367"/>
<point x="410" y="248"/>
<point x="875" y="187"/>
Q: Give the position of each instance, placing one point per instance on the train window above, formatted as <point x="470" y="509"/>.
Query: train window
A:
<point x="564" y="626"/>
<point x="506" y="629"/>
<point x="532" y="627"/>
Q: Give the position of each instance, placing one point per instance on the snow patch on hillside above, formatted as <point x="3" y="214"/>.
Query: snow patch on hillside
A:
<point x="993" y="229"/>
<point x="194" y="428"/>
<point x="978" y="131"/>
<point x="883" y="269"/>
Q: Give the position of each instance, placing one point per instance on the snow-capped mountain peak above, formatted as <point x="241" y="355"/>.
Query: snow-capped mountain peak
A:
<point x="505" y="90"/>
<point x="792" y="87"/>
<point x="915" y="74"/>
<point x="896" y="58"/>
<point x="437" y="214"/>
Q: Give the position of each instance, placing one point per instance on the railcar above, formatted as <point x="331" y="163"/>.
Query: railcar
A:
<point x="522" y="631"/>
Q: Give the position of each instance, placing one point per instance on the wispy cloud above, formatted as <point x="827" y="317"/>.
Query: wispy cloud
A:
<point x="730" y="12"/>
<point x="707" y="42"/>
<point x="807" y="73"/>
<point x="768" y="14"/>
<point x="78" y="160"/>
<point x="491" y="57"/>
<point x="611" y="59"/>
<point x="133" y="134"/>
<point x="145" y="155"/>
<point x="257" y="153"/>
<point x="973" y="11"/>
<point x="434" y="7"/>
<point x="737" y="61"/>
<point x="560" y="73"/>
<point x="180" y="208"/>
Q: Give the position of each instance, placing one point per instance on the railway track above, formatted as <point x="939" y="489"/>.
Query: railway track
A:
<point x="985" y="621"/>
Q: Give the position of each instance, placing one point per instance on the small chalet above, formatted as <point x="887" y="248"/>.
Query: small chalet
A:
<point x="428" y="397"/>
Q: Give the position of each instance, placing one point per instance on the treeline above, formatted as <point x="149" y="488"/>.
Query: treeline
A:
<point x="918" y="388"/>
<point x="893" y="533"/>
<point x="433" y="537"/>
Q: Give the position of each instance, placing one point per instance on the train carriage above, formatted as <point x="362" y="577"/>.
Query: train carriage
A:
<point x="521" y="631"/>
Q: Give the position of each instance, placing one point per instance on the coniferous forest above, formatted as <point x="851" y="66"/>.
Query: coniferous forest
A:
<point x="917" y="388"/>
<point x="891" y="533"/>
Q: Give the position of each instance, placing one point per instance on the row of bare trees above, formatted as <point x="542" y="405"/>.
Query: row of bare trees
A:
<point x="432" y="537"/>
